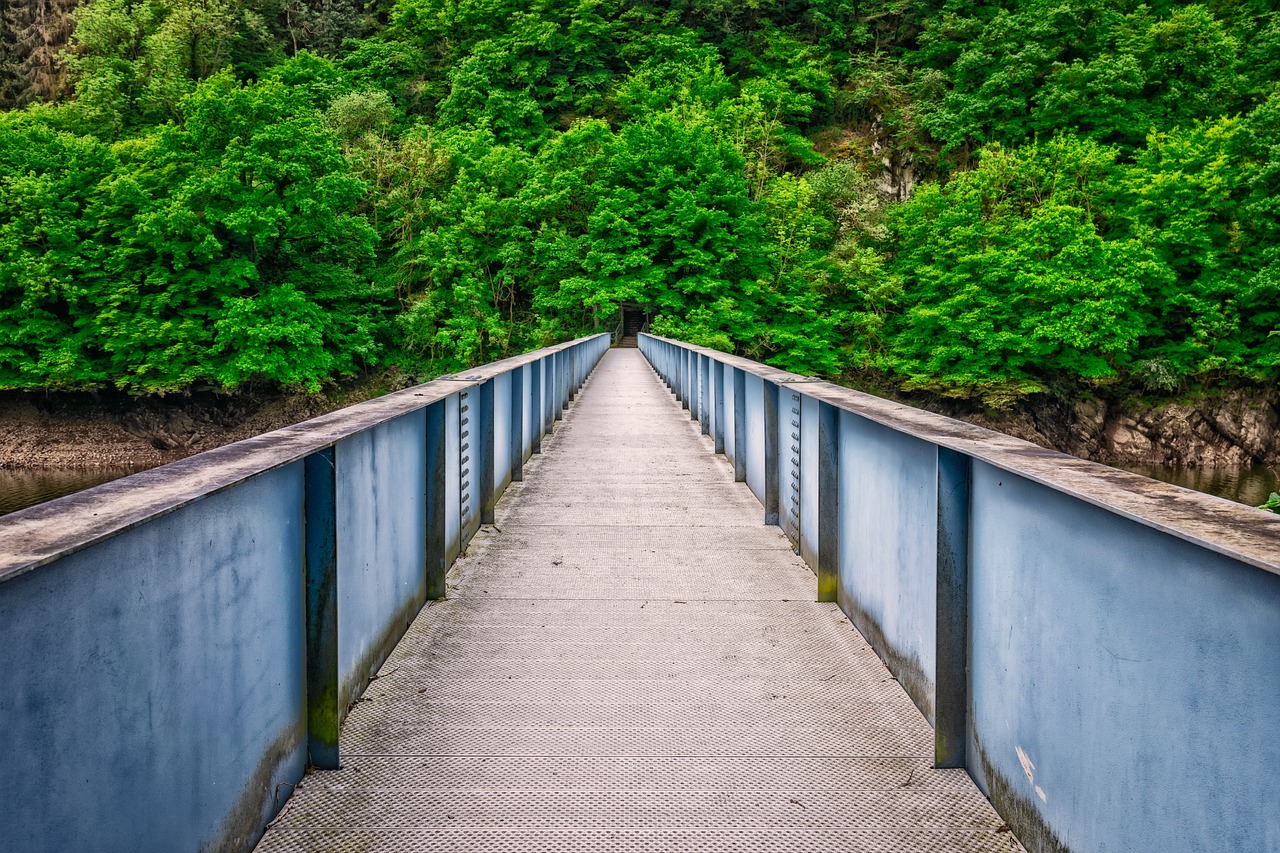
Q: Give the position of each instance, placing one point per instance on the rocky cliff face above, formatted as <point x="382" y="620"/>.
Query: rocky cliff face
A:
<point x="1237" y="427"/>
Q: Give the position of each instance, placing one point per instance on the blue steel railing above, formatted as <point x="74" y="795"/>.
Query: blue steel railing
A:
<point x="176" y="646"/>
<point x="1100" y="651"/>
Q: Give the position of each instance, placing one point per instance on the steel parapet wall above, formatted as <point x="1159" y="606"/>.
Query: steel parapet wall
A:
<point x="1097" y="649"/>
<point x="177" y="645"/>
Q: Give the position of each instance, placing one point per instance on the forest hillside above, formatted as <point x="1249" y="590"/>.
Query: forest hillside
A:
<point x="981" y="200"/>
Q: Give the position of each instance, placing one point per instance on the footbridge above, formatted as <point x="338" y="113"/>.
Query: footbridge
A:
<point x="665" y="599"/>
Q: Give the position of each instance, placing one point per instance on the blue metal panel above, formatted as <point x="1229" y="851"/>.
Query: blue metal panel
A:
<point x="381" y="508"/>
<point x="452" y="491"/>
<point x="154" y="693"/>
<point x="809" y="481"/>
<point x="755" y="435"/>
<point x="888" y="548"/>
<point x="1124" y="683"/>
<point x="530" y="376"/>
<point x="501" y="433"/>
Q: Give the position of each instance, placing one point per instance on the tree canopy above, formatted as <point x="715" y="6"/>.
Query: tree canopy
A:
<point x="982" y="199"/>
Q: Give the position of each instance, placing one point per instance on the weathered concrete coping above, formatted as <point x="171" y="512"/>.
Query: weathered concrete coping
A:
<point x="38" y="535"/>
<point x="1241" y="532"/>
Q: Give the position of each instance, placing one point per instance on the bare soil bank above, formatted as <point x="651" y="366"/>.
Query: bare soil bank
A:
<point x="1232" y="427"/>
<point x="81" y="430"/>
<point x="1224" y="428"/>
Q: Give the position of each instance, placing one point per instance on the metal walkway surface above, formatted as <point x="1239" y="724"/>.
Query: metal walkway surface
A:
<point x="629" y="660"/>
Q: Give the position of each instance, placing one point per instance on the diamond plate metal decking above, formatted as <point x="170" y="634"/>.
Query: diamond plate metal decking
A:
<point x="629" y="660"/>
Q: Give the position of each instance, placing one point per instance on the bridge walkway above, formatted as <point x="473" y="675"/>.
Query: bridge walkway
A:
<point x="629" y="660"/>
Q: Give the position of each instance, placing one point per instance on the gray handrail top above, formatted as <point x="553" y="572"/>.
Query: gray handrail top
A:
<point x="1238" y="531"/>
<point x="38" y="535"/>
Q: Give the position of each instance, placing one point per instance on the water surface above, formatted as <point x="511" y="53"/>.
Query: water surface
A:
<point x="24" y="487"/>
<point x="1246" y="484"/>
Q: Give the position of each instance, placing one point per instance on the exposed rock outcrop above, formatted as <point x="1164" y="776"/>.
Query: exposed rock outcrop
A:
<point x="1236" y="427"/>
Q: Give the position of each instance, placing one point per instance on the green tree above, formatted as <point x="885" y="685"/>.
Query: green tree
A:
<point x="227" y="248"/>
<point x="1009" y="282"/>
<point x="47" y="180"/>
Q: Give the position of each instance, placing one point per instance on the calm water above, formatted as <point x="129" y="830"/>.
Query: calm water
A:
<point x="26" y="487"/>
<point x="1247" y="484"/>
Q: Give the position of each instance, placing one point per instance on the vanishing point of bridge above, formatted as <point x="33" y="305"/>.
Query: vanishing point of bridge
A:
<point x="539" y="607"/>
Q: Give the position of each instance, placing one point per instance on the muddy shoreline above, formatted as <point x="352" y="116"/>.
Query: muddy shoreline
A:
<point x="1229" y="428"/>
<point x="82" y="430"/>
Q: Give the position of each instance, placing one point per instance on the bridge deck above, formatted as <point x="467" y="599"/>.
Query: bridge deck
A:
<point x="630" y="660"/>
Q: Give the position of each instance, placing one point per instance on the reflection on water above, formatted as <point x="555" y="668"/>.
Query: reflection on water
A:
<point x="27" y="487"/>
<point x="1247" y="484"/>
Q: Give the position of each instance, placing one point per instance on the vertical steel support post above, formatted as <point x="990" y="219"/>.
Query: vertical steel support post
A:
<point x="698" y="388"/>
<point x="537" y="420"/>
<point x="573" y="375"/>
<point x="517" y="425"/>
<point x="566" y="393"/>
<point x="717" y="405"/>
<point x="951" y="679"/>
<point x="485" y="449"/>
<point x="739" y="425"/>
<point x="548" y="388"/>
<point x="561" y="401"/>
<point x="437" y="468"/>
<point x="772" y="455"/>
<point x="549" y="414"/>
<point x="704" y="396"/>
<point x="684" y="378"/>
<point x="828" y="502"/>
<point x="324" y="711"/>
<point x="676" y="356"/>
<point x="682" y="383"/>
<point x="695" y="386"/>
<point x="549" y="394"/>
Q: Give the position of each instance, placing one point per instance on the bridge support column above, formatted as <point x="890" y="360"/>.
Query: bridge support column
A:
<point x="324" y="711"/>
<point x="828" y="502"/>
<point x="739" y="425"/>
<point x="485" y="450"/>
<point x="434" y="524"/>
<point x="772" y="455"/>
<point x="704" y="393"/>
<point x="717" y="404"/>
<point x="684" y="378"/>
<point x="549" y="395"/>
<point x="536" y="418"/>
<point x="560" y="401"/>
<point x="572" y="376"/>
<point x="517" y="425"/>
<point x="695" y="388"/>
<point x="951" y="697"/>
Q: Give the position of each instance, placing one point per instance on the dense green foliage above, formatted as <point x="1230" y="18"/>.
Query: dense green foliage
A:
<point x="981" y="199"/>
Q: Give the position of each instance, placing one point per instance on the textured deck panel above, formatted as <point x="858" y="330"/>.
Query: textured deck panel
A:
<point x="629" y="660"/>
